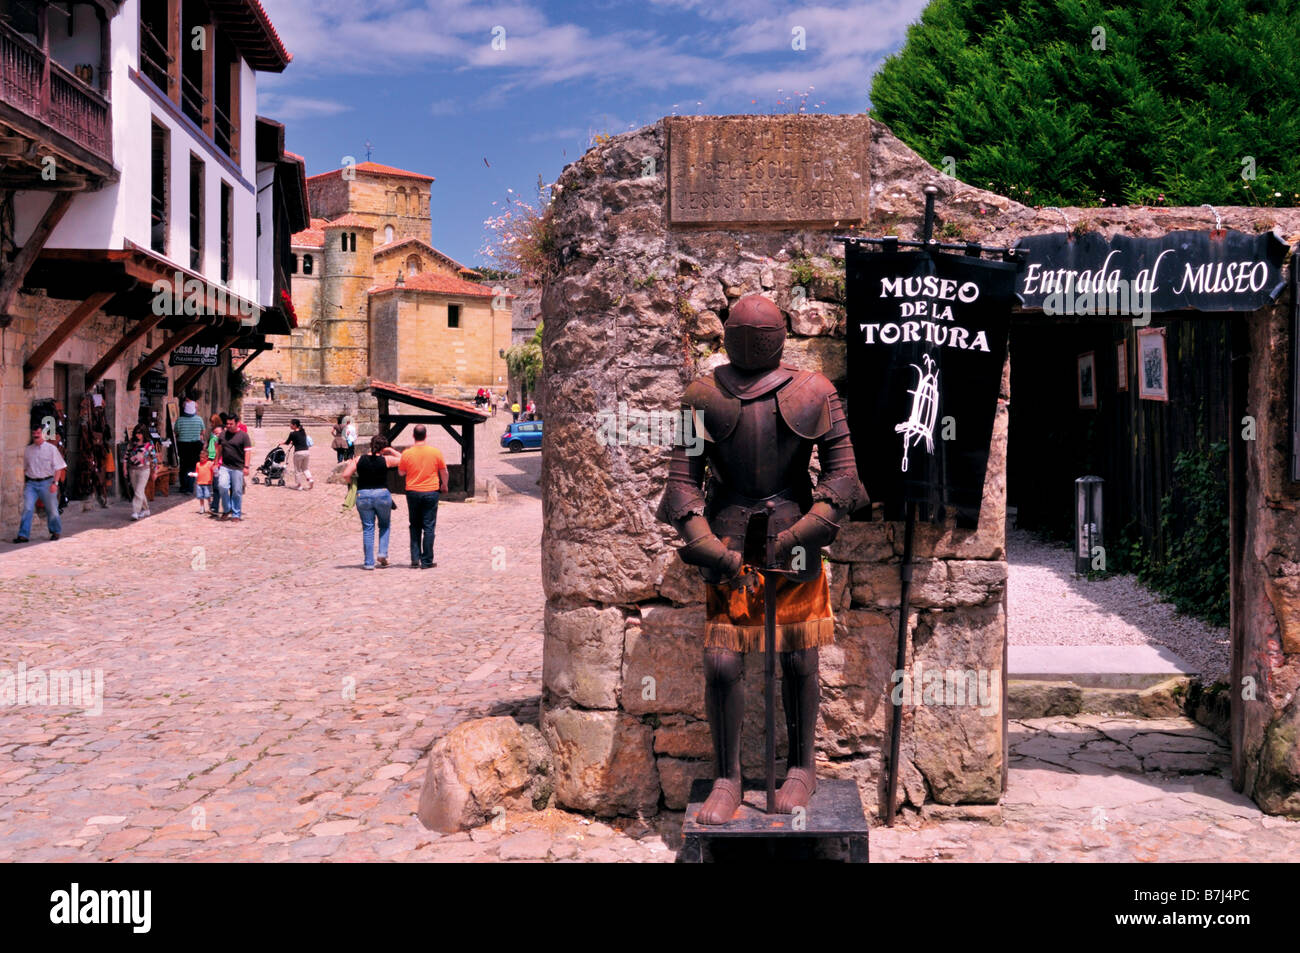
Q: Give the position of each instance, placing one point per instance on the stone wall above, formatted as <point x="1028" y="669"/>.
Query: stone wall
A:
<point x="633" y="313"/>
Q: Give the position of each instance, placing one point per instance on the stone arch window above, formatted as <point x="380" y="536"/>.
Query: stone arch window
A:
<point x="388" y="234"/>
<point x="343" y="236"/>
<point x="307" y="264"/>
<point x="413" y="265"/>
<point x="401" y="200"/>
<point x="293" y="264"/>
<point x="392" y="201"/>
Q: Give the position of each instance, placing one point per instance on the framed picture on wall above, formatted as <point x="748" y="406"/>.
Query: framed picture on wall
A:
<point x="1088" y="381"/>
<point x="1153" y="365"/>
<point x="1121" y="363"/>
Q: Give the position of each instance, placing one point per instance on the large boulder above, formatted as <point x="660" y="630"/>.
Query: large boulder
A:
<point x="481" y="765"/>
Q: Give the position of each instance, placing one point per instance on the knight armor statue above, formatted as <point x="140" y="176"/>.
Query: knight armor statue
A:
<point x="760" y="420"/>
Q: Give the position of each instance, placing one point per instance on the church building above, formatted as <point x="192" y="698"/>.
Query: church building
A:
<point x="374" y="298"/>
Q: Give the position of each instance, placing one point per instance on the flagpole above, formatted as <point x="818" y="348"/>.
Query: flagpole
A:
<point x="905" y="589"/>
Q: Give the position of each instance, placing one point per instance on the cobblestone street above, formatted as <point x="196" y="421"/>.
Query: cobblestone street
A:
<point x="265" y="699"/>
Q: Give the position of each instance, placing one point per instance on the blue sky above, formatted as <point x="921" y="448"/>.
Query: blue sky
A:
<point x="421" y="81"/>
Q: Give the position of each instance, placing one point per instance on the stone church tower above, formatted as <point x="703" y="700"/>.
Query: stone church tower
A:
<point x="373" y="297"/>
<point x="349" y="262"/>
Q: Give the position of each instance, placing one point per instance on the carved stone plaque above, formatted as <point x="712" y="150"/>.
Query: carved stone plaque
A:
<point x="767" y="169"/>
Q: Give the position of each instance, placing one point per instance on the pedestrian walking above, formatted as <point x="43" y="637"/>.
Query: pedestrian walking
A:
<point x="218" y="424"/>
<point x="514" y="411"/>
<point x="141" y="466"/>
<point x="44" y="469"/>
<point x="339" y="443"/>
<point x="425" y="470"/>
<point x="350" y="431"/>
<point x="204" y="473"/>
<point x="233" y="449"/>
<point x="188" y="431"/>
<point x="374" y="502"/>
<point x="266" y="389"/>
<point x="257" y="414"/>
<point x="299" y="445"/>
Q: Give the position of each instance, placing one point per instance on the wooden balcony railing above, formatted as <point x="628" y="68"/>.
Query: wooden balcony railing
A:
<point x="53" y="95"/>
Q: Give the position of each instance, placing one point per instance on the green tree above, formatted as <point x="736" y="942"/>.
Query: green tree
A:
<point x="1083" y="102"/>
<point x="524" y="362"/>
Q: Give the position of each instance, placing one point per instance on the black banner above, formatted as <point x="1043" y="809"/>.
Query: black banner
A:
<point x="1191" y="270"/>
<point x="927" y="339"/>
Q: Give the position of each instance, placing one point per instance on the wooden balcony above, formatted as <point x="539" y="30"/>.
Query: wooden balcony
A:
<point x="45" y="106"/>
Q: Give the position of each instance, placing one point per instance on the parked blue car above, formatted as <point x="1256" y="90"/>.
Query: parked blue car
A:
<point x="525" y="434"/>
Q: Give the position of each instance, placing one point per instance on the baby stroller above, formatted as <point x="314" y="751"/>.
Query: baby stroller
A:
<point x="272" y="468"/>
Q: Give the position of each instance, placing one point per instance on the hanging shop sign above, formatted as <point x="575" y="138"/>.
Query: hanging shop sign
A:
<point x="154" y="382"/>
<point x="195" y="355"/>
<point x="927" y="340"/>
<point x="1211" y="271"/>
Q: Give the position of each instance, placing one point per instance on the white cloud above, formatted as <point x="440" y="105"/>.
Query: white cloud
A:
<point x="285" y="107"/>
<point x="740" y="51"/>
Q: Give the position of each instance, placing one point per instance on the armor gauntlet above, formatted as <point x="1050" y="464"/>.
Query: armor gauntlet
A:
<point x="683" y="506"/>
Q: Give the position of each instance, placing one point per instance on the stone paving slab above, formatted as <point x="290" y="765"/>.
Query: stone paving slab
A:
<point x="265" y="699"/>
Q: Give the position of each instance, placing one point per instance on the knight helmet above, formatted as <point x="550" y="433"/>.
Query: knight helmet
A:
<point x="755" y="334"/>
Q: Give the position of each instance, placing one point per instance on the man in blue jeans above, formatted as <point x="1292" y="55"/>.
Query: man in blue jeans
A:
<point x="426" y="476"/>
<point x="233" y="450"/>
<point x="43" y="470"/>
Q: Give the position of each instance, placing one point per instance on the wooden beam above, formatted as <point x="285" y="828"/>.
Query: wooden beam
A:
<point x="454" y="436"/>
<point x="143" y="327"/>
<point x="467" y="457"/>
<point x="175" y="44"/>
<point x="67" y="327"/>
<point x="161" y="351"/>
<point x="189" y="377"/>
<point x="13" y="277"/>
<point x="194" y="373"/>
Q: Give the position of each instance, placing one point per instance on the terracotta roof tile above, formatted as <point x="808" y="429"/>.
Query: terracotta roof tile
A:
<point x="437" y="283"/>
<point x="374" y="168"/>
<point x="349" y="221"/>
<point x="313" y="235"/>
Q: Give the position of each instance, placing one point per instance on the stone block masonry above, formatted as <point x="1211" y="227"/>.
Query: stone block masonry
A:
<point x="635" y="310"/>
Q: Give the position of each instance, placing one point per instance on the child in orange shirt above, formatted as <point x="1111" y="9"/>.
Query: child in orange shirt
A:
<point x="203" y="489"/>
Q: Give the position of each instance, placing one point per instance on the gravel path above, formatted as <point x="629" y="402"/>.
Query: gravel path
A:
<point x="1048" y="605"/>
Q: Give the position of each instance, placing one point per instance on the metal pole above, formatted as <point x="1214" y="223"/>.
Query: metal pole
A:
<point x="769" y="663"/>
<point x="905" y="593"/>
<point x="900" y="657"/>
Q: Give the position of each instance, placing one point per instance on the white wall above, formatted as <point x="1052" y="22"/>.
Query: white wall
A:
<point x="266" y="241"/>
<point x="120" y="212"/>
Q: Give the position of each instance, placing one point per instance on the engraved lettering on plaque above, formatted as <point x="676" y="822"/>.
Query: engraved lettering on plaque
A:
<point x="744" y="169"/>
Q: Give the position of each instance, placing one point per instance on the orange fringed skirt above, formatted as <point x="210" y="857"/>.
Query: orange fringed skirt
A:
<point x="803" y="615"/>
